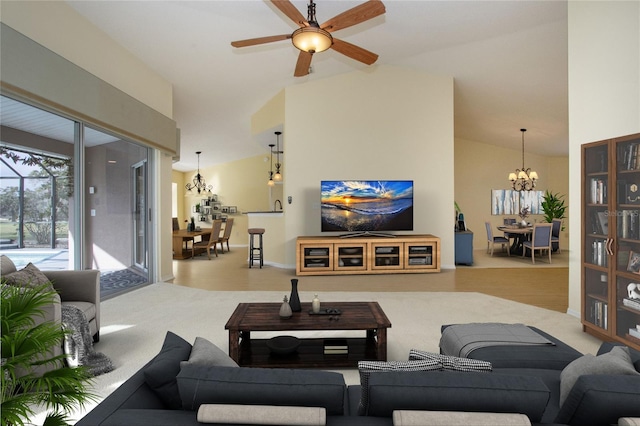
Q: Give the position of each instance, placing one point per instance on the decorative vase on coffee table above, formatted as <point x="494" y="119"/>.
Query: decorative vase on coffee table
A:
<point x="294" y="300"/>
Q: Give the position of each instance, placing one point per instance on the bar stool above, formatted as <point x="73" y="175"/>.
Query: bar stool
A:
<point x="253" y="248"/>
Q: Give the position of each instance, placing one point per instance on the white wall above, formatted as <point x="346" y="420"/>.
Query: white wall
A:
<point x="382" y="123"/>
<point x="604" y="95"/>
<point x="57" y="26"/>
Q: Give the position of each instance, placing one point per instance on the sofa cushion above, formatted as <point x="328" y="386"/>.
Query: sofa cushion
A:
<point x="456" y="391"/>
<point x="449" y="362"/>
<point x="204" y="352"/>
<point x="615" y="362"/>
<point x="367" y="367"/>
<point x="267" y="386"/>
<point x="88" y="308"/>
<point x="600" y="399"/>
<point x="160" y="374"/>
<point x="6" y="266"/>
<point x="262" y="414"/>
<point x="29" y="276"/>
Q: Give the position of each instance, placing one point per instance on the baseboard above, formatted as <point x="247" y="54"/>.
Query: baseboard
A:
<point x="573" y="313"/>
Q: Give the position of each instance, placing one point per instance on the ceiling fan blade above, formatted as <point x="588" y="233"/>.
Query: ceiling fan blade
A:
<point x="303" y="64"/>
<point x="354" y="16"/>
<point x="354" y="52"/>
<point x="259" y="40"/>
<point x="290" y="10"/>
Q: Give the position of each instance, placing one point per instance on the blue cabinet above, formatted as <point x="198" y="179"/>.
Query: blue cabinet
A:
<point x="464" y="248"/>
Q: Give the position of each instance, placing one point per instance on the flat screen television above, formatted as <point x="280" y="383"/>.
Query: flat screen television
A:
<point x="366" y="206"/>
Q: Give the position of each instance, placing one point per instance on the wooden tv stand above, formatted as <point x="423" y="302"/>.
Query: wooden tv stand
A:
<point x="367" y="255"/>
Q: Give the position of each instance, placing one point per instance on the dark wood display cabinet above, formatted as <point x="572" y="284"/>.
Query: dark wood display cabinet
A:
<point x="611" y="239"/>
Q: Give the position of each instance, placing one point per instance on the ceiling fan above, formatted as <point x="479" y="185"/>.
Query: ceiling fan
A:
<point x="312" y="38"/>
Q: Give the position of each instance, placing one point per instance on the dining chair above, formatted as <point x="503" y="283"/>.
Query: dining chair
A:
<point x="492" y="241"/>
<point x="509" y="221"/>
<point x="555" y="233"/>
<point x="176" y="227"/>
<point x="211" y="243"/>
<point x="227" y="233"/>
<point x="540" y="240"/>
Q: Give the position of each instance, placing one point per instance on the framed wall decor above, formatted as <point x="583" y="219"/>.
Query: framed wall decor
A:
<point x="216" y="207"/>
<point x="511" y="202"/>
<point x="634" y="262"/>
<point x="233" y="209"/>
<point x="225" y="209"/>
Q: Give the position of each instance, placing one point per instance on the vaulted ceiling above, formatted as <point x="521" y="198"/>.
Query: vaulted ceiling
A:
<point x="508" y="59"/>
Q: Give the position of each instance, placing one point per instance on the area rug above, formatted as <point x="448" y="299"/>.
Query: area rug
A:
<point x="113" y="283"/>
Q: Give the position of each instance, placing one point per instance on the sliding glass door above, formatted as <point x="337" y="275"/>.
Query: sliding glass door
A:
<point x="73" y="197"/>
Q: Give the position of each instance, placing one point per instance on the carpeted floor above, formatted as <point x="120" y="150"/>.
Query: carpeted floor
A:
<point x="133" y="327"/>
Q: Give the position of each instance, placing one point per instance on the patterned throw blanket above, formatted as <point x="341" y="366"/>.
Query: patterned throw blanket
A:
<point x="78" y="343"/>
<point x="461" y="339"/>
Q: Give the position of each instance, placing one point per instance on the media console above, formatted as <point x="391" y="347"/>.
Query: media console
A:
<point x="367" y="255"/>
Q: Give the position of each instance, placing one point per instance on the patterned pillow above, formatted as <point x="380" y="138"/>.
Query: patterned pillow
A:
<point x="29" y="276"/>
<point x="367" y="367"/>
<point x="449" y="362"/>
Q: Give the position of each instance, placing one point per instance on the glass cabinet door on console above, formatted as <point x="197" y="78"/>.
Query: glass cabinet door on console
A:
<point x="419" y="255"/>
<point x="387" y="255"/>
<point x="352" y="257"/>
<point x="316" y="257"/>
<point x="611" y="239"/>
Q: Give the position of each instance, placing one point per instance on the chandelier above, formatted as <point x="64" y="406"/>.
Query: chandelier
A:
<point x="198" y="181"/>
<point x="277" y="175"/>
<point x="523" y="179"/>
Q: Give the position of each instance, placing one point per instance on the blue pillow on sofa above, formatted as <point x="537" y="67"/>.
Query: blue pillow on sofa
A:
<point x="161" y="372"/>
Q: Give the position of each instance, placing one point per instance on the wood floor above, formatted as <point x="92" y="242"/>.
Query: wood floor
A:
<point x="541" y="285"/>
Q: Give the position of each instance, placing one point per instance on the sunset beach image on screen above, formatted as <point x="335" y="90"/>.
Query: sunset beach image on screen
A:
<point x="366" y="205"/>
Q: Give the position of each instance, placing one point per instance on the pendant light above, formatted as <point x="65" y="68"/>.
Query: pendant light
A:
<point x="270" y="182"/>
<point x="278" y="176"/>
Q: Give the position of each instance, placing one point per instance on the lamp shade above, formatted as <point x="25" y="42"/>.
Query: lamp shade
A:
<point x="311" y="39"/>
<point x="533" y="175"/>
<point x="512" y="177"/>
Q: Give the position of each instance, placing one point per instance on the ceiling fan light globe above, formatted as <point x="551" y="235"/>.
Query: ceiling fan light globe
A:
<point x="311" y="39"/>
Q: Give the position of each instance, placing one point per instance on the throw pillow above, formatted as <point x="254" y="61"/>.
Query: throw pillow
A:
<point x="29" y="276"/>
<point x="204" y="352"/>
<point x="450" y="362"/>
<point x="160" y="374"/>
<point x="6" y="265"/>
<point x="262" y="414"/>
<point x="617" y="361"/>
<point x="365" y="369"/>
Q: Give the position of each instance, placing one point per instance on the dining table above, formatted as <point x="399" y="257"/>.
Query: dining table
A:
<point x="181" y="236"/>
<point x="519" y="233"/>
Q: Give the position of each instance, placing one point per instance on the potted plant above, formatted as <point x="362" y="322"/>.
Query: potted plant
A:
<point x="553" y="206"/>
<point x="26" y="345"/>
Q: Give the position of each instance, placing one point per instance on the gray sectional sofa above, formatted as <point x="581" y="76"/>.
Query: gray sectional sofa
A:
<point x="184" y="381"/>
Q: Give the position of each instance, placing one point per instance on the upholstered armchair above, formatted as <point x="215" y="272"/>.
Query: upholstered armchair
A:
<point x="77" y="288"/>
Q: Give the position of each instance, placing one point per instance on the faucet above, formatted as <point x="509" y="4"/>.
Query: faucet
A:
<point x="276" y="203"/>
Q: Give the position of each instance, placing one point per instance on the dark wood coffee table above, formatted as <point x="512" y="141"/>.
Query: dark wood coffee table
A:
<point x="252" y="317"/>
